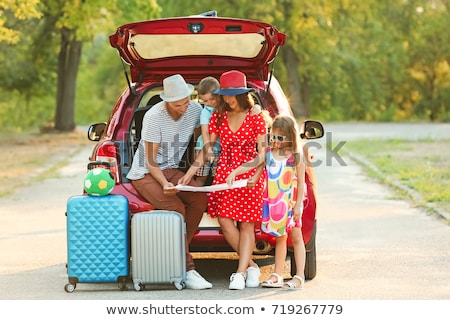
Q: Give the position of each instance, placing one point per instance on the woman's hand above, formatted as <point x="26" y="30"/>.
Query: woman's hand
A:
<point x="184" y="180"/>
<point x="297" y="212"/>
<point x="231" y="177"/>
<point x="251" y="182"/>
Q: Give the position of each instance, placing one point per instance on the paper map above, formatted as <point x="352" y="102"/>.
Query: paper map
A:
<point x="216" y="187"/>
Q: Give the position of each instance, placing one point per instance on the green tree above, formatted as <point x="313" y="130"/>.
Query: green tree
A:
<point x="21" y="11"/>
<point x="79" y="22"/>
<point x="63" y="28"/>
<point x="343" y="60"/>
<point x="25" y="74"/>
<point x="430" y="58"/>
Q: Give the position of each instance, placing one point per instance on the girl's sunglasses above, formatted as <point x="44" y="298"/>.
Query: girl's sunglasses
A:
<point x="278" y="138"/>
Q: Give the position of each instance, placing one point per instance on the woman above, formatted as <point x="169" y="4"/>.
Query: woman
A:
<point x="241" y="135"/>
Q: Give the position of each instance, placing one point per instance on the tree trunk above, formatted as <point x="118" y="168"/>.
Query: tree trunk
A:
<point x="68" y="63"/>
<point x="305" y="110"/>
<point x="297" y="90"/>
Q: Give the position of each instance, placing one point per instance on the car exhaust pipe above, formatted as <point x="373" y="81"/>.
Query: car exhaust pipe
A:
<point x="262" y="247"/>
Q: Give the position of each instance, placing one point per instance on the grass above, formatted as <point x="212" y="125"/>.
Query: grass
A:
<point x="423" y="167"/>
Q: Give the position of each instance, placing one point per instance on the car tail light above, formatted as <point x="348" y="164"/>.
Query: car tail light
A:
<point x="108" y="152"/>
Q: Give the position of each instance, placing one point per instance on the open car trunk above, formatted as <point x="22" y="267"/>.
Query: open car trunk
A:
<point x="197" y="45"/>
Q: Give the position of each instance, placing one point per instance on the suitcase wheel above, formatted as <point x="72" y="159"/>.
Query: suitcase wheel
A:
<point x="139" y="286"/>
<point x="70" y="287"/>
<point x="179" y="285"/>
<point x="123" y="286"/>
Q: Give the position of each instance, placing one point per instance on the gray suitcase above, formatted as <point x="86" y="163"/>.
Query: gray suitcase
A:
<point x="158" y="253"/>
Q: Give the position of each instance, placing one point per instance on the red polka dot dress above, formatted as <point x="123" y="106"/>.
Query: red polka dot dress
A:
<point x="240" y="204"/>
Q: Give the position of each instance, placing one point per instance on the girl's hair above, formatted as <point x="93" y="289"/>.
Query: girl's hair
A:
<point x="287" y="125"/>
<point x="267" y="118"/>
<point x="207" y="85"/>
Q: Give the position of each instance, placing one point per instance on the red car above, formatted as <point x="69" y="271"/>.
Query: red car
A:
<point x="196" y="47"/>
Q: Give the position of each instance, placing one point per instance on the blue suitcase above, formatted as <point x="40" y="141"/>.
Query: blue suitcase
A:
<point x="97" y="240"/>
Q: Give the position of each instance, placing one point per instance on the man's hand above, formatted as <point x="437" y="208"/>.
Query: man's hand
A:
<point x="170" y="189"/>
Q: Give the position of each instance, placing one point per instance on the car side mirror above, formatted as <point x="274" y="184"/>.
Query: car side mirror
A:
<point x="96" y="130"/>
<point x="312" y="130"/>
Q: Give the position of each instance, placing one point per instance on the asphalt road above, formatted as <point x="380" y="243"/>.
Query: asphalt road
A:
<point x="370" y="246"/>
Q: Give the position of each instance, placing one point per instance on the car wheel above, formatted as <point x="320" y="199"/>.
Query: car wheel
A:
<point x="310" y="265"/>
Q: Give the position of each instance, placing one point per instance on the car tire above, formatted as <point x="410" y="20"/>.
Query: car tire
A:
<point x="310" y="263"/>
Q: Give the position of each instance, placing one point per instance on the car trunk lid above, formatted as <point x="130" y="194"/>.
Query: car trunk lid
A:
<point x="197" y="46"/>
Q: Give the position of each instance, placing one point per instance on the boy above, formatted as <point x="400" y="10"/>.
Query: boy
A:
<point x="205" y="89"/>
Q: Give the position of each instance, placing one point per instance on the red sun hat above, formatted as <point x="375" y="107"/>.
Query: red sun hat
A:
<point x="232" y="83"/>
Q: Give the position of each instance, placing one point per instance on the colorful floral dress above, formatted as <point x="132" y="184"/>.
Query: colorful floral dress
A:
<point x="240" y="204"/>
<point x="280" y="195"/>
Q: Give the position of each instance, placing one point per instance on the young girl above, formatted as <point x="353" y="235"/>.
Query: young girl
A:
<point x="283" y="199"/>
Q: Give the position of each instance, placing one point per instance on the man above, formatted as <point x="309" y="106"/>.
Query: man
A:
<point x="166" y="131"/>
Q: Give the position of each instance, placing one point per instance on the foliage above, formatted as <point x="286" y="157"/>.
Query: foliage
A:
<point x="21" y="12"/>
<point x="377" y="60"/>
<point x="29" y="101"/>
<point x="356" y="60"/>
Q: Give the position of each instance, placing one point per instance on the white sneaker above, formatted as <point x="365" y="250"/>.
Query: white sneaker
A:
<point x="237" y="281"/>
<point x="252" y="280"/>
<point x="195" y="281"/>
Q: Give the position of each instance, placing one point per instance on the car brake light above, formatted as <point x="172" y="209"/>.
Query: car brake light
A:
<point x="108" y="152"/>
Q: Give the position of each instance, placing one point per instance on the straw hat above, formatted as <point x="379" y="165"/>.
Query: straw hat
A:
<point x="175" y="88"/>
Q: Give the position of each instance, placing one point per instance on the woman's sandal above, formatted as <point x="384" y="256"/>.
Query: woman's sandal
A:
<point x="269" y="283"/>
<point x="293" y="285"/>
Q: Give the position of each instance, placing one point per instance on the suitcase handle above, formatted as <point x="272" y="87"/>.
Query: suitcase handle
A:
<point x="96" y="164"/>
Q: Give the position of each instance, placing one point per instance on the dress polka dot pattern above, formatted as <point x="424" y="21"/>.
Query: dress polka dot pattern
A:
<point x="240" y="204"/>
